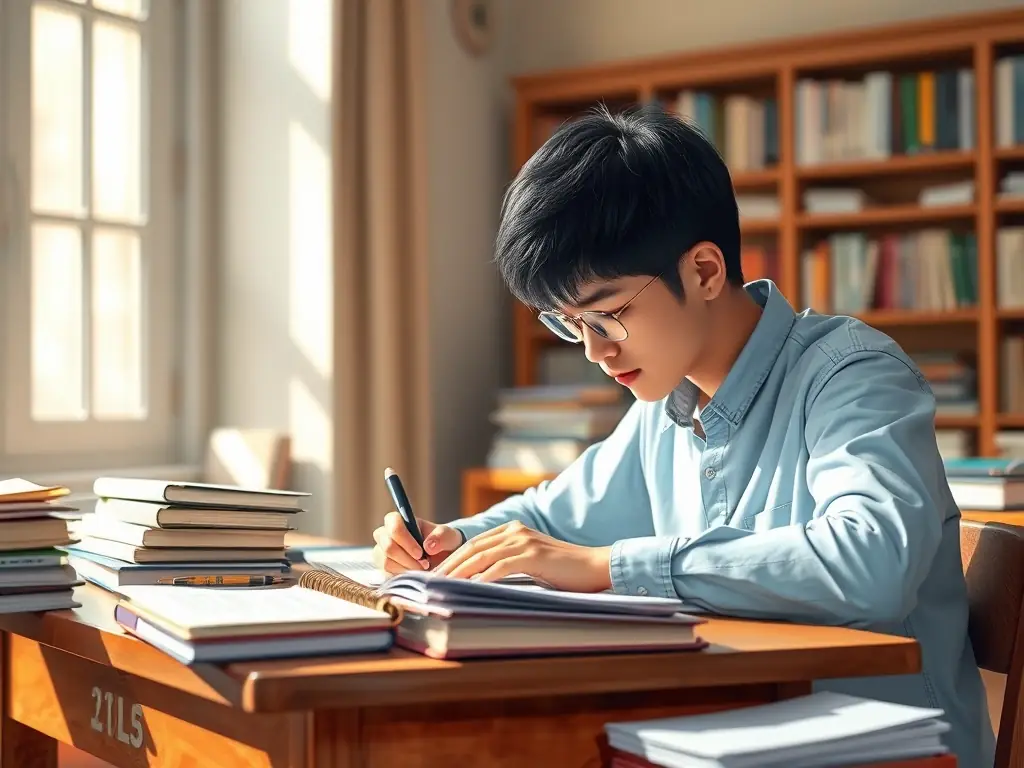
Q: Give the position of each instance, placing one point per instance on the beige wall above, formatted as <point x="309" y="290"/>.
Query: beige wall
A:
<point x="273" y="303"/>
<point x="470" y="328"/>
<point x="564" y="33"/>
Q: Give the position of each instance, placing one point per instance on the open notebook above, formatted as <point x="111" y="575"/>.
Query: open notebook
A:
<point x="458" y="618"/>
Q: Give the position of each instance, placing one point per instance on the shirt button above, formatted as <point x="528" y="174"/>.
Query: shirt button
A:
<point x="709" y="473"/>
<point x="641" y="590"/>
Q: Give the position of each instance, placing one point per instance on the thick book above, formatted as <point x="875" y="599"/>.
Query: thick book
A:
<point x="448" y="618"/>
<point x="198" y="494"/>
<point x="986" y="483"/>
<point x="39" y="533"/>
<point x="223" y="624"/>
<point x="17" y="490"/>
<point x="814" y="731"/>
<point x="155" y="515"/>
<point x="131" y="553"/>
<point x="103" y="527"/>
<point x="39" y="601"/>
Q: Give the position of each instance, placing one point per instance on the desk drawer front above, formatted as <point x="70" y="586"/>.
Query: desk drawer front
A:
<point x="130" y="722"/>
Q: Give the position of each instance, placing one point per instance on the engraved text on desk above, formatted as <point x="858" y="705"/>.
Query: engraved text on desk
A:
<point x="114" y="719"/>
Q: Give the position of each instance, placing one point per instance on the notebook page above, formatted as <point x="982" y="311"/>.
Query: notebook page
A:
<point x="425" y="587"/>
<point x="356" y="563"/>
<point x="217" y="607"/>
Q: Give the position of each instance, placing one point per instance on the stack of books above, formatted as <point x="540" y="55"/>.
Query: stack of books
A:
<point x="981" y="483"/>
<point x="34" y="573"/>
<point x="145" y="532"/>
<point x="822" y="729"/>
<point x="343" y="607"/>
<point x="544" y="429"/>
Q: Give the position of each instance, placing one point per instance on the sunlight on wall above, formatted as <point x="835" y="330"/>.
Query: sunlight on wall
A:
<point x="309" y="246"/>
<point x="312" y="439"/>
<point x="309" y="44"/>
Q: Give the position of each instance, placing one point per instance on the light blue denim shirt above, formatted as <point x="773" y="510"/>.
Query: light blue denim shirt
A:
<point x="818" y="496"/>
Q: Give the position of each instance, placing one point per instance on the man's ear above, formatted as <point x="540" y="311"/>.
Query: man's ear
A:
<point x="703" y="274"/>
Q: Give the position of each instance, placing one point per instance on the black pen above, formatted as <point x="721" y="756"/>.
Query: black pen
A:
<point x="404" y="507"/>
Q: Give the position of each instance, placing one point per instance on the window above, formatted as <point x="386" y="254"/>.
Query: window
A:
<point x="90" y="219"/>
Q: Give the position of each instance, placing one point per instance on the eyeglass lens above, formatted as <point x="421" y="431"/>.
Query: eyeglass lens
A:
<point x="601" y="324"/>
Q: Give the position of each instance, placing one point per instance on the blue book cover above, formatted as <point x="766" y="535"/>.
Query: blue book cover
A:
<point x="982" y="467"/>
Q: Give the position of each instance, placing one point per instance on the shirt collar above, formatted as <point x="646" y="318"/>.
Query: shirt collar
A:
<point x="751" y="368"/>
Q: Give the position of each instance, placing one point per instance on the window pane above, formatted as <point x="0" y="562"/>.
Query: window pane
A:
<point x="117" y="380"/>
<point x="116" y="121"/>
<point x="137" y="9"/>
<point x="57" y="157"/>
<point x="57" y="364"/>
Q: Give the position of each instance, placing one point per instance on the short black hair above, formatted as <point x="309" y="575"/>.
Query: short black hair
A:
<point x="610" y="195"/>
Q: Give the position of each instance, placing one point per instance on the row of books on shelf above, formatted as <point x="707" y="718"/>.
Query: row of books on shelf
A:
<point x="1011" y="374"/>
<point x="1009" y="100"/>
<point x="744" y="128"/>
<point x="883" y="114"/>
<point x="874" y="116"/>
<point x="927" y="270"/>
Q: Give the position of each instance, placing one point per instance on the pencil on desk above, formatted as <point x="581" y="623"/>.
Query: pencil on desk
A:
<point x="222" y="581"/>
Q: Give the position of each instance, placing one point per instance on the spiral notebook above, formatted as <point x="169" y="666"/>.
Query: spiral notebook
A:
<point x="446" y="618"/>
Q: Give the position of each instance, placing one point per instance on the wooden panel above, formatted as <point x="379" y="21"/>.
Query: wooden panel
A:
<point x="91" y="632"/>
<point x="561" y="732"/>
<point x="131" y="722"/>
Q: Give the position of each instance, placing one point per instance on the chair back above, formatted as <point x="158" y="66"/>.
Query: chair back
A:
<point x="253" y="458"/>
<point x="993" y="563"/>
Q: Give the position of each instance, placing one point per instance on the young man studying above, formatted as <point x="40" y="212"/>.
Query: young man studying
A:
<point x="776" y="465"/>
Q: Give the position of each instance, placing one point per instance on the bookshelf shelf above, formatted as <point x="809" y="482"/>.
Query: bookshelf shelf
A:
<point x="890" y="166"/>
<point x="881" y="318"/>
<point x="1010" y="205"/>
<point x="1010" y="420"/>
<point x="1011" y="313"/>
<point x="1009" y="153"/>
<point x="759" y="227"/>
<point x="885" y="216"/>
<point x="745" y="181"/>
<point x="949" y="421"/>
<point x="777" y="76"/>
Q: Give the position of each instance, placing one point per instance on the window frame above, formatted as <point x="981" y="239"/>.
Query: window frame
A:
<point x="33" y="446"/>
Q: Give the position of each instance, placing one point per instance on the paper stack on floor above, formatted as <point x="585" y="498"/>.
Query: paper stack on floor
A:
<point x="34" y="574"/>
<point x="816" y="731"/>
<point x="146" y="531"/>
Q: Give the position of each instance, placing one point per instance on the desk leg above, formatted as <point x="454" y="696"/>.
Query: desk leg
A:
<point x="20" y="746"/>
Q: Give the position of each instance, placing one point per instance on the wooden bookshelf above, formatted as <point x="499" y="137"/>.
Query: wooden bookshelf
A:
<point x="970" y="43"/>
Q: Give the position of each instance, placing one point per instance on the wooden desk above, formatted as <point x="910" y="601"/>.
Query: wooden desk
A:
<point x="74" y="676"/>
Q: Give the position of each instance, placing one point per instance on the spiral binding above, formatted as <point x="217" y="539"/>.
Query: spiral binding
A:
<point x="344" y="588"/>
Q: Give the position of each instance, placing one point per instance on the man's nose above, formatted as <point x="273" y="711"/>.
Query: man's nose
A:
<point x="596" y="346"/>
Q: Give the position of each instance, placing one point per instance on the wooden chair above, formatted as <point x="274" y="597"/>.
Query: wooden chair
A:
<point x="993" y="562"/>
